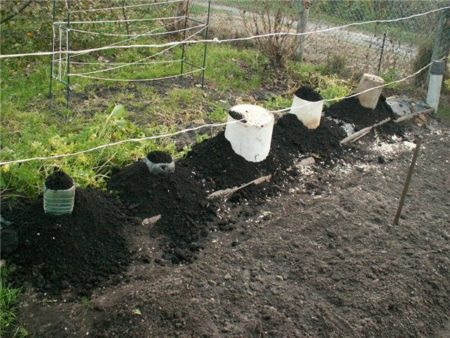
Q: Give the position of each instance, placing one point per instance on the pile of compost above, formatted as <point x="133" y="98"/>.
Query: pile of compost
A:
<point x="217" y="166"/>
<point x="59" y="180"/>
<point x="75" y="252"/>
<point x="323" y="143"/>
<point x="178" y="197"/>
<point x="308" y="93"/>
<point x="214" y="162"/>
<point x="350" y="111"/>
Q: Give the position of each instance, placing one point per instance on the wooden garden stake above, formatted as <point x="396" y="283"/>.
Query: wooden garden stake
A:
<point x="408" y="180"/>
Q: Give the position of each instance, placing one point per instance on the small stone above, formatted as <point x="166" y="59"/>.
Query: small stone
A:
<point x="309" y="161"/>
<point x="235" y="243"/>
<point x="279" y="277"/>
<point x="227" y="276"/>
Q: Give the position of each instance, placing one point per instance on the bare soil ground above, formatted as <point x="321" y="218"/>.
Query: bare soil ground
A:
<point x="320" y="259"/>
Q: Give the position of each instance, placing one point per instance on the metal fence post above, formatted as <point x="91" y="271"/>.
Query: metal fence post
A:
<point x="68" y="54"/>
<point x="52" y="57"/>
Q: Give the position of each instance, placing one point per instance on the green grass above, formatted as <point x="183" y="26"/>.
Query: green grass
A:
<point x="8" y="300"/>
<point x="444" y="111"/>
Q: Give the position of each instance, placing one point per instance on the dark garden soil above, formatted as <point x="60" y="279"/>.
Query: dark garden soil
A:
<point x="159" y="157"/>
<point x="323" y="142"/>
<point x="216" y="164"/>
<point x="351" y="111"/>
<point x="72" y="252"/>
<point x="180" y="200"/>
<point x="308" y="93"/>
<point x="297" y="265"/>
<point x="59" y="180"/>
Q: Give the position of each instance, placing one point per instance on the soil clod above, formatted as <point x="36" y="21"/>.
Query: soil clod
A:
<point x="59" y="180"/>
<point x="159" y="157"/>
<point x="350" y="111"/>
<point x="82" y="249"/>
<point x="308" y="93"/>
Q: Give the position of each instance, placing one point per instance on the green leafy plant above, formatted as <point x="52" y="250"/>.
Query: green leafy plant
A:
<point x="8" y="299"/>
<point x="40" y="138"/>
<point x="219" y="114"/>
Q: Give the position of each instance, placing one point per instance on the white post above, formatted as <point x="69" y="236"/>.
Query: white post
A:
<point x="435" y="84"/>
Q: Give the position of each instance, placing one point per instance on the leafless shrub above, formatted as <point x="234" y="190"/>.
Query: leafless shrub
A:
<point x="268" y="16"/>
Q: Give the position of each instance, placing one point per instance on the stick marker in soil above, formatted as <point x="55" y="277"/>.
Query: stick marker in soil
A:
<point x="408" y="180"/>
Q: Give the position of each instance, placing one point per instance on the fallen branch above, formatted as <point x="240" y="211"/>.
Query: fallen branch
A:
<point x="410" y="116"/>
<point x="363" y="132"/>
<point x="226" y="193"/>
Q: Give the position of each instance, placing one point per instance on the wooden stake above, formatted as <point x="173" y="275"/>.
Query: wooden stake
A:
<point x="363" y="132"/>
<point x="410" y="116"/>
<point x="408" y="180"/>
<point x="229" y="191"/>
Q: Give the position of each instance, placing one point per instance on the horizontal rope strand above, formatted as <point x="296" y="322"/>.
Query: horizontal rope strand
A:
<point x="216" y="40"/>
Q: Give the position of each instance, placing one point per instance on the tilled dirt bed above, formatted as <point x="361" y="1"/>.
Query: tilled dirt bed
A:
<point x="313" y="252"/>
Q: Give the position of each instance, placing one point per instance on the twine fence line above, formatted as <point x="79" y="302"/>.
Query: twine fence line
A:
<point x="213" y="125"/>
<point x="216" y="40"/>
<point x="125" y="7"/>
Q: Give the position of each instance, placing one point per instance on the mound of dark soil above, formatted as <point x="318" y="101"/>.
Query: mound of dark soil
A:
<point x="159" y="157"/>
<point x="59" y="180"/>
<point x="216" y="164"/>
<point x="323" y="142"/>
<point x="178" y="197"/>
<point x="76" y="251"/>
<point x="308" y="93"/>
<point x="351" y="111"/>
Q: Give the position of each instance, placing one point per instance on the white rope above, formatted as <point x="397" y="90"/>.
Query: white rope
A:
<point x="123" y="63"/>
<point x="364" y="91"/>
<point x="125" y="40"/>
<point x="141" y="60"/>
<point x="108" y="145"/>
<point x="125" y="7"/>
<point x="216" y="40"/>
<point x="144" y="34"/>
<point x="136" y="80"/>
<point x="119" y="20"/>
<point x="44" y="158"/>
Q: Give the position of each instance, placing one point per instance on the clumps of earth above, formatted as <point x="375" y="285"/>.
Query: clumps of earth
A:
<point x="88" y="247"/>
<point x="59" y="180"/>
<point x="350" y="111"/>
<point x="77" y="251"/>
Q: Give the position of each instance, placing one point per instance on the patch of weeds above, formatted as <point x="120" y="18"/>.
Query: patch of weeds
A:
<point x="444" y="110"/>
<point x="230" y="68"/>
<point x="201" y="137"/>
<point x="390" y="75"/>
<point x="304" y="71"/>
<point x="8" y="300"/>
<point x="336" y="64"/>
<point x="331" y="87"/>
<point x="30" y="135"/>
<point x="277" y="102"/>
<point x="184" y="97"/>
<point x="219" y="114"/>
<point x="86" y="302"/>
